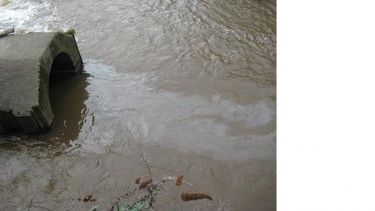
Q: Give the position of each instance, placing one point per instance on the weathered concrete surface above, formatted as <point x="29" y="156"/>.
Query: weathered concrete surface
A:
<point x="26" y="63"/>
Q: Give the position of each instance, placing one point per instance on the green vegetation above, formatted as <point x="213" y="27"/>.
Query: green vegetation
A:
<point x="126" y="207"/>
<point x="71" y="31"/>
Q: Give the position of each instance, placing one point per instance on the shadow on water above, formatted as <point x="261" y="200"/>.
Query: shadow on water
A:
<point x="67" y="97"/>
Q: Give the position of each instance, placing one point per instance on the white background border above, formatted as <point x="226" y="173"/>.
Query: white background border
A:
<point x="326" y="105"/>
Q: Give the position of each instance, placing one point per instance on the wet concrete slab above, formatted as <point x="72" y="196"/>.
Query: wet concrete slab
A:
<point x="26" y="61"/>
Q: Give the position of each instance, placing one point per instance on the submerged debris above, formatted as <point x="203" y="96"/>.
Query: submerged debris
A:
<point x="179" y="180"/>
<point x="143" y="195"/>
<point x="87" y="198"/>
<point x="174" y="179"/>
<point x="194" y="196"/>
<point x="169" y="179"/>
<point x="138" y="180"/>
<point x="145" y="184"/>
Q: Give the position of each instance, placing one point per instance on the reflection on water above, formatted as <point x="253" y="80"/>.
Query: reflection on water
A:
<point x="189" y="85"/>
<point x="67" y="99"/>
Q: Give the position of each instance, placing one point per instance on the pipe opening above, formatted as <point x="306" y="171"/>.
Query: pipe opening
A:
<point x="62" y="69"/>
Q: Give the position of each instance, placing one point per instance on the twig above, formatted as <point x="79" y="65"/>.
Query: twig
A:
<point x="147" y="165"/>
<point x="76" y="147"/>
<point x="30" y="204"/>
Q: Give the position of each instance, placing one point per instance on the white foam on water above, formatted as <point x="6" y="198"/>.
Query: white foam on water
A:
<point x="30" y="16"/>
<point x="129" y="113"/>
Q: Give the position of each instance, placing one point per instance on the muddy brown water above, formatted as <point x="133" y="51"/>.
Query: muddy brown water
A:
<point x="188" y="85"/>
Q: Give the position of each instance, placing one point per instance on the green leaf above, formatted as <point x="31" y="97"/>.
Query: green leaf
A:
<point x="124" y="207"/>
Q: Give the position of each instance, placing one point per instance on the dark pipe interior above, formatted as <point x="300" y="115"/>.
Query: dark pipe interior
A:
<point x="62" y="68"/>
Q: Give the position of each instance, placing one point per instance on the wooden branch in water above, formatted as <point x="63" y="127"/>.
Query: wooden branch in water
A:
<point x="6" y="32"/>
<point x="148" y="167"/>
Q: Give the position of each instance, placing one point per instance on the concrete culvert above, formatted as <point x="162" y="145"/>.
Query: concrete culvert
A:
<point x="29" y="65"/>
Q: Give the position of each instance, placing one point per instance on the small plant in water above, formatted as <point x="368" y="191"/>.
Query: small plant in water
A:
<point x="126" y="207"/>
<point x="142" y="196"/>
